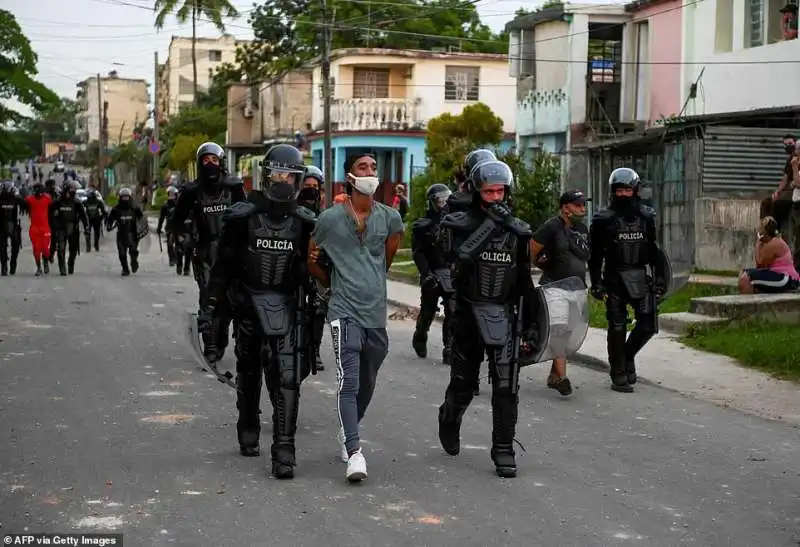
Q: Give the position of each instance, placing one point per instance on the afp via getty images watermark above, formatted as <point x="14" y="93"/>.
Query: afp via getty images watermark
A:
<point x="75" y="540"/>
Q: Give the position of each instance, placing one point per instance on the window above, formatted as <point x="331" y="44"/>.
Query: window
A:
<point x="185" y="86"/>
<point x="763" y="22"/>
<point x="214" y="55"/>
<point x="371" y="83"/>
<point x="462" y="83"/>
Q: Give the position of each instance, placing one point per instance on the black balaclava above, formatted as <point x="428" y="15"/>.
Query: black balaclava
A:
<point x="309" y="198"/>
<point x="211" y="175"/>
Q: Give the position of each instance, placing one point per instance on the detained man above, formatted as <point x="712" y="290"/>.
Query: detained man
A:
<point x="351" y="250"/>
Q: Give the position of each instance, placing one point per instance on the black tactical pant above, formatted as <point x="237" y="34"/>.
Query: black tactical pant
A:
<point x="95" y="228"/>
<point x="183" y="255"/>
<point x="621" y="351"/>
<point x="128" y="246"/>
<point x="64" y="242"/>
<point x="171" y="248"/>
<point x="274" y="357"/>
<point x="318" y="320"/>
<point x="428" y="306"/>
<point x="215" y="339"/>
<point x="468" y="350"/>
<point x="14" y="239"/>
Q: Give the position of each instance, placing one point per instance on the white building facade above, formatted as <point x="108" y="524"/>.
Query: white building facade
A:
<point x="736" y="53"/>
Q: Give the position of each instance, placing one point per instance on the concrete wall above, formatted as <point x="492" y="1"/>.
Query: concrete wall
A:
<point x="726" y="233"/>
<point x="127" y="106"/>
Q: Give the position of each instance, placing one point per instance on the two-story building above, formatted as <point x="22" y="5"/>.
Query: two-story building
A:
<point x="567" y="62"/>
<point x="739" y="56"/>
<point x="382" y="100"/>
<point x="263" y="113"/>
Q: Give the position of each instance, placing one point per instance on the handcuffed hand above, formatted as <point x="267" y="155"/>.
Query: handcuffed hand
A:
<point x="429" y="281"/>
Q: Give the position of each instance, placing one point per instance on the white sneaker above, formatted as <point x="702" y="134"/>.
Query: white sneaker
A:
<point x="343" y="449"/>
<point x="357" y="467"/>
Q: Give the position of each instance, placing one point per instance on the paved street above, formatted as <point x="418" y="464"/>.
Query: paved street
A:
<point x="107" y="423"/>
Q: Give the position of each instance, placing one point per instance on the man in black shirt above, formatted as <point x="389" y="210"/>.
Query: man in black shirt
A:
<point x="782" y="197"/>
<point x="560" y="247"/>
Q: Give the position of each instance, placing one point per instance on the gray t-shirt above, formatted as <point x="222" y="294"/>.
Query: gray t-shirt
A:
<point x="358" y="280"/>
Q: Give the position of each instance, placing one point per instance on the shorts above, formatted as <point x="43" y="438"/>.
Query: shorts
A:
<point x="767" y="281"/>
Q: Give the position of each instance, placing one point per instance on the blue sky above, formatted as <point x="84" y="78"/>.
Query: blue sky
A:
<point x="78" y="38"/>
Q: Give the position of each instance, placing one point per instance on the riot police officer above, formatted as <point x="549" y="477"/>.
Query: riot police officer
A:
<point x="626" y="267"/>
<point x="491" y="275"/>
<point x="184" y="245"/>
<point x="311" y="197"/>
<point x="67" y="212"/>
<point x="263" y="252"/>
<point x="10" y="230"/>
<point x="125" y="218"/>
<point x="163" y="216"/>
<point x="434" y="271"/>
<point x="96" y="212"/>
<point x="204" y="202"/>
<point x="461" y="199"/>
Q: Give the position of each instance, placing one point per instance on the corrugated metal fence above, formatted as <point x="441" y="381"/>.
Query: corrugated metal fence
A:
<point x="742" y="160"/>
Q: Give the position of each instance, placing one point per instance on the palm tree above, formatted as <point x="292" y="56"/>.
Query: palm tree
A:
<point x="212" y="10"/>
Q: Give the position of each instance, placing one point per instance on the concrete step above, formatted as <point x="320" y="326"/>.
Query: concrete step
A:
<point x="784" y="307"/>
<point x="682" y="322"/>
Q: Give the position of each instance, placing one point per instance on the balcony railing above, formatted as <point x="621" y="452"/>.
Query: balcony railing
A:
<point x="375" y="114"/>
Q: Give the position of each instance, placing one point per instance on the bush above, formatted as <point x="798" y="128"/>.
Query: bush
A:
<point x="111" y="199"/>
<point x="161" y="199"/>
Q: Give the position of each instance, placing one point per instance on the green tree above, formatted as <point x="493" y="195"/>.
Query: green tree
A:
<point x="450" y="137"/>
<point x="185" y="10"/>
<point x="536" y="190"/>
<point x="17" y="81"/>
<point x="182" y="153"/>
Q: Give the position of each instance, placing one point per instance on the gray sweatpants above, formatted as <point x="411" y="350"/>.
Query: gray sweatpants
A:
<point x="359" y="355"/>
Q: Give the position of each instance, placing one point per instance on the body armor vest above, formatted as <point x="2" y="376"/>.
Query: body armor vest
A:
<point x="93" y="209"/>
<point x="211" y="209"/>
<point x="65" y="216"/>
<point x="495" y="270"/>
<point x="629" y="244"/>
<point x="9" y="211"/>
<point x="126" y="225"/>
<point x="274" y="253"/>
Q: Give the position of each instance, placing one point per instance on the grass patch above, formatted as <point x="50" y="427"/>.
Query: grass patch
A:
<point x="769" y="347"/>
<point x="678" y="302"/>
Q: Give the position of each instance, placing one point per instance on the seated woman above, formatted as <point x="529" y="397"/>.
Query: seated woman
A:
<point x="774" y="271"/>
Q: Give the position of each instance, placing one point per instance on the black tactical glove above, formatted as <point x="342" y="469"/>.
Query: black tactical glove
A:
<point x="428" y="281"/>
<point x="598" y="292"/>
<point x="499" y="212"/>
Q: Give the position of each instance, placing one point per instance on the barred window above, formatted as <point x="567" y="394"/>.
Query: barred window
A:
<point x="371" y="83"/>
<point x="462" y="83"/>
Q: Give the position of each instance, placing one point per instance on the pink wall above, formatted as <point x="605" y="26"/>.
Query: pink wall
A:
<point x="666" y="43"/>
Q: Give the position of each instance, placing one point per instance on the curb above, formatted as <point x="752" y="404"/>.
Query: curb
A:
<point x="580" y="359"/>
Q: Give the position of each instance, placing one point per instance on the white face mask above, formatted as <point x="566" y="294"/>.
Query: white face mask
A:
<point x="365" y="185"/>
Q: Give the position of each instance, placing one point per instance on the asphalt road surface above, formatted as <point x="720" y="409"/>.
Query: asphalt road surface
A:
<point x="108" y="424"/>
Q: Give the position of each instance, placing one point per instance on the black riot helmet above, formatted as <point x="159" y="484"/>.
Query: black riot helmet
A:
<point x="474" y="158"/>
<point x="624" y="177"/>
<point x="125" y="197"/>
<point x="490" y="173"/>
<point x="282" y="169"/>
<point x="309" y="195"/>
<point x="71" y="188"/>
<point x="437" y="196"/>
<point x="210" y="159"/>
<point x="7" y="187"/>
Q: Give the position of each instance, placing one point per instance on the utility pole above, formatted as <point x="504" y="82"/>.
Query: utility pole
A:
<point x="44" y="152"/>
<point x="156" y="176"/>
<point x="100" y="152"/>
<point x="327" y="38"/>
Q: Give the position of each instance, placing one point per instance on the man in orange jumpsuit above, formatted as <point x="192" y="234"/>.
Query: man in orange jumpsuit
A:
<point x="38" y="209"/>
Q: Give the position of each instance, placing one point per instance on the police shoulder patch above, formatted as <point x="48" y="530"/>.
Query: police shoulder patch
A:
<point x="241" y="209"/>
<point x="305" y="214"/>
<point x="647" y="211"/>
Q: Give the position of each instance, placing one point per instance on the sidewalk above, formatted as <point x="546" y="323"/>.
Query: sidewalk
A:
<point x="669" y="364"/>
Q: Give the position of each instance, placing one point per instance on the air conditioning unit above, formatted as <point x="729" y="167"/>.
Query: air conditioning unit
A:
<point x="248" y="112"/>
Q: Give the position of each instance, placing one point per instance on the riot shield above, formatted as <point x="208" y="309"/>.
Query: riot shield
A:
<point x="143" y="234"/>
<point x="196" y="344"/>
<point x="563" y="319"/>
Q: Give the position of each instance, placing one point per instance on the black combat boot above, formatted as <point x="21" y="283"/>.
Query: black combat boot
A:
<point x="320" y="366"/>
<point x="62" y="265"/>
<point x="286" y="403"/>
<point x="616" y="362"/>
<point x="4" y="268"/>
<point x="46" y="266"/>
<point x="38" y="267"/>
<point x="504" y="424"/>
<point x="420" y="343"/>
<point x="248" y="403"/>
<point x="134" y="265"/>
<point x="450" y="427"/>
<point x="12" y="270"/>
<point x="630" y="370"/>
<point x="71" y="266"/>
